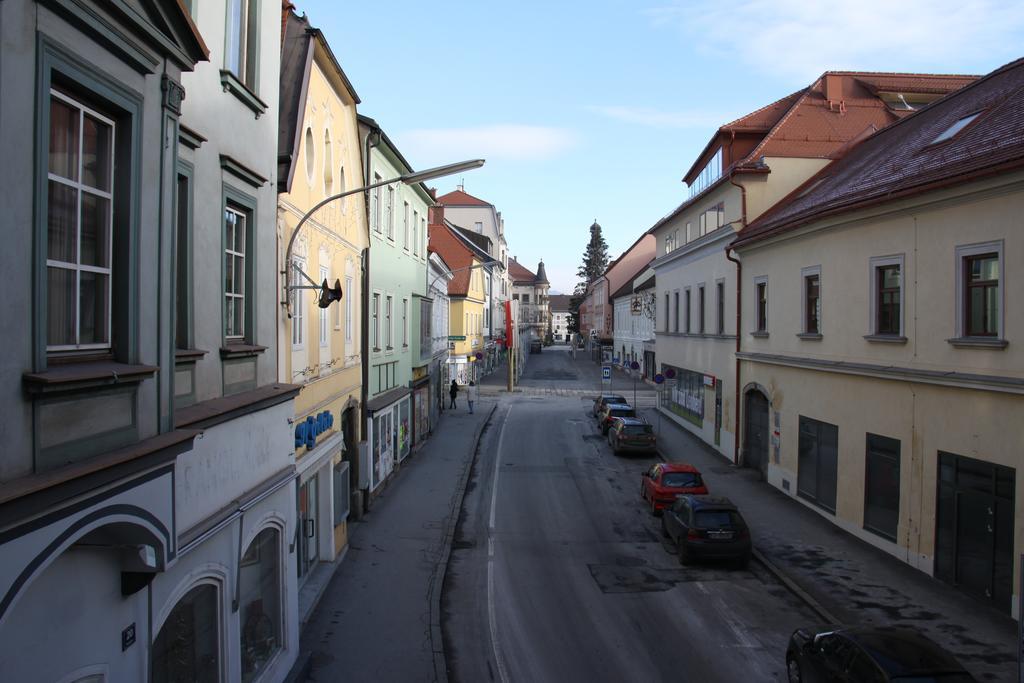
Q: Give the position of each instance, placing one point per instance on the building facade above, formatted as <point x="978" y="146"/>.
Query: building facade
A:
<point x="882" y="386"/>
<point x="559" y="307"/>
<point x="397" y="278"/>
<point x="748" y="166"/>
<point x="634" y="323"/>
<point x="531" y="291"/>
<point x="434" y="334"/>
<point x="320" y="348"/>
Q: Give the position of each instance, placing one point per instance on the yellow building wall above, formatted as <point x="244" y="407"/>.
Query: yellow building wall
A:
<point x="473" y="306"/>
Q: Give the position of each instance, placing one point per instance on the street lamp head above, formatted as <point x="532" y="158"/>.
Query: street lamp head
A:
<point x="439" y="171"/>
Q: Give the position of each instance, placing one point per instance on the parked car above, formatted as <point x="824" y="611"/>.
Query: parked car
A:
<point x="869" y="655"/>
<point x="707" y="527"/>
<point x="633" y="435"/>
<point x="613" y="410"/>
<point x="664" y="482"/>
<point x="602" y="399"/>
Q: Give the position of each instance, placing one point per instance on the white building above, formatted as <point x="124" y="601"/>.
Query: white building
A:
<point x="436" y="340"/>
<point x="634" y="323"/>
<point x="559" y="306"/>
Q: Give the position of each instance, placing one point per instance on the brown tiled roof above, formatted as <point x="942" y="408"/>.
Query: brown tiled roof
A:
<point x="902" y="158"/>
<point x="764" y="118"/>
<point x="460" y="198"/>
<point x="520" y="273"/>
<point x="456" y="254"/>
<point x="917" y="83"/>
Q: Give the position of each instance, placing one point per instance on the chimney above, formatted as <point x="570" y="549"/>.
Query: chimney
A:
<point x="435" y="214"/>
<point x="460" y="187"/>
<point x="833" y="88"/>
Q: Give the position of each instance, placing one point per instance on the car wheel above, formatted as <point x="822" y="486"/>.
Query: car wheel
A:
<point x="793" y="670"/>
<point x="654" y="507"/>
<point x="685" y="557"/>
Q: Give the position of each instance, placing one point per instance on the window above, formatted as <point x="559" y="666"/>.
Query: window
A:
<point x="187" y="648"/>
<point x="689" y="231"/>
<point x="711" y="172"/>
<point x="712" y="219"/>
<point x="720" y="298"/>
<point x="811" y="278"/>
<point x="761" y="305"/>
<point x="526" y="298"/>
<point x="389" y="212"/>
<point x="818" y="462"/>
<point x="183" y="260"/>
<point x="667" y="312"/>
<point x="405" y="322"/>
<point x="882" y="486"/>
<point x="478" y="227"/>
<point x="981" y="295"/>
<point x="700" y="308"/>
<point x="415" y="233"/>
<point x="405" y="225"/>
<point x="675" y="328"/>
<point x="686" y="309"/>
<point x="887" y="296"/>
<point x="956" y="128"/>
<point x="323" y="312"/>
<point x="235" y="233"/>
<point x="243" y="40"/>
<point x="375" y="321"/>
<point x="389" y="331"/>
<point x="342" y="187"/>
<point x="423" y="232"/>
<point x="79" y="246"/>
<point x="375" y="204"/>
<point x="259" y="598"/>
<point x="348" y="308"/>
<point x="328" y="165"/>
<point x="298" y="305"/>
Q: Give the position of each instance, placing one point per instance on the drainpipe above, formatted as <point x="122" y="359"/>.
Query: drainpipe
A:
<point x="364" y="276"/>
<point x="739" y="318"/>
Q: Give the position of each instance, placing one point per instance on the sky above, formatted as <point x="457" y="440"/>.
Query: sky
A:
<point x="595" y="110"/>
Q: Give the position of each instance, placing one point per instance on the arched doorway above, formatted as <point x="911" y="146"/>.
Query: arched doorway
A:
<point x="755" y="443"/>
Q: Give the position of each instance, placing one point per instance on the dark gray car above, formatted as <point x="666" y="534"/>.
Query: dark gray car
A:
<point x="707" y="527"/>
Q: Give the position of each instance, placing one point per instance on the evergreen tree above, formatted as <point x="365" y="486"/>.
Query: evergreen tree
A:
<point x="595" y="262"/>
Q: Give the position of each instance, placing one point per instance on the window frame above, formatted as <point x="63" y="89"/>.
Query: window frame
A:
<point x="375" y="321"/>
<point x="806" y="276"/>
<point x="324" y="325"/>
<point x="389" y="322"/>
<point x="720" y="305"/>
<point x="184" y="302"/>
<point x="240" y="202"/>
<point x="963" y="253"/>
<point x="389" y="213"/>
<point x="348" y="308"/>
<point x="761" y="313"/>
<point x="248" y="49"/>
<point x="700" y="307"/>
<point x="887" y="448"/>
<point x="875" y="264"/>
<point x="675" y="327"/>
<point x="688" y="311"/>
<point x="298" y="331"/>
<point x="405" y="322"/>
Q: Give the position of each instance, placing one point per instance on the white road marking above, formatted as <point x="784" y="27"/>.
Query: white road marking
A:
<point x="492" y="619"/>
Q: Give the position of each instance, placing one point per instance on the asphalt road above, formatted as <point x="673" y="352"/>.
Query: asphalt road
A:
<point x="558" y="572"/>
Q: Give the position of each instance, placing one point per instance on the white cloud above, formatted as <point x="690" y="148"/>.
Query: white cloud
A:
<point x="800" y="39"/>
<point x="501" y="141"/>
<point x="646" y="116"/>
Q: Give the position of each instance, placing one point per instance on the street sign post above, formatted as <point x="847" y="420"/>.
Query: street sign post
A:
<point x="606" y="376"/>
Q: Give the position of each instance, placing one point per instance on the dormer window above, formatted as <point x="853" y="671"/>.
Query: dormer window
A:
<point x="952" y="131"/>
<point x="711" y="172"/>
<point x="907" y="101"/>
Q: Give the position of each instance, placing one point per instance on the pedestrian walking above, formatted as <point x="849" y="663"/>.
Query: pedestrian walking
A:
<point x="471" y="396"/>
<point x="453" y="392"/>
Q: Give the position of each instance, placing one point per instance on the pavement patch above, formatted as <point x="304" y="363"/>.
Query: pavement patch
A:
<point x="615" y="578"/>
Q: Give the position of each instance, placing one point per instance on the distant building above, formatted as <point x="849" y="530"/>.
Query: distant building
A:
<point x="559" y="306"/>
<point x="634" y="309"/>
<point x="531" y="291"/>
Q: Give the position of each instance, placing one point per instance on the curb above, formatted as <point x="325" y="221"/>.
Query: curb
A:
<point x="441" y="568"/>
<point x="781" y="576"/>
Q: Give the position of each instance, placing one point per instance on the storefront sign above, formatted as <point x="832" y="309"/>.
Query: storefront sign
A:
<point x="709" y="380"/>
<point x="456" y="337"/>
<point x="309" y="429"/>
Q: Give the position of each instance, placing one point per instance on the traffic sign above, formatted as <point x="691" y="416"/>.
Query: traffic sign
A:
<point x="606" y="374"/>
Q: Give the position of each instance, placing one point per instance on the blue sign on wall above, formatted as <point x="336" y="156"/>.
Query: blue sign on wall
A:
<point x="312" y="427"/>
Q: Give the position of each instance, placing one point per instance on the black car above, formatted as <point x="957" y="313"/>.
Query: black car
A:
<point x="602" y="399"/>
<point x="707" y="527"/>
<point x="869" y="655"/>
<point x="612" y="411"/>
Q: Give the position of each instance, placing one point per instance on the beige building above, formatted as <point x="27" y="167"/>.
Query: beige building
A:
<point x="881" y="366"/>
<point x="319" y="156"/>
<point x="747" y="167"/>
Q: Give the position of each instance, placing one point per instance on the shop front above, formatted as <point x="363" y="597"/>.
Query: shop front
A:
<point x="421" y="404"/>
<point x="390" y="442"/>
<point x="683" y="393"/>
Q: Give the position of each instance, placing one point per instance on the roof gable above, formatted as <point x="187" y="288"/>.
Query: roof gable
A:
<point x="461" y="198"/>
<point x="519" y="273"/>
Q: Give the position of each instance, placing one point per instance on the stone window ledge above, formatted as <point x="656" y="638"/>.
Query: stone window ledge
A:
<point x="188" y="356"/>
<point x="86" y="375"/>
<point x="886" y="338"/>
<point x="978" y="343"/>
<point x="759" y="335"/>
<point x="234" y="86"/>
<point x="241" y="350"/>
<point x="811" y="336"/>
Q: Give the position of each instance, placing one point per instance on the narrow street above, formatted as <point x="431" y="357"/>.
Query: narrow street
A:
<point x="559" y="572"/>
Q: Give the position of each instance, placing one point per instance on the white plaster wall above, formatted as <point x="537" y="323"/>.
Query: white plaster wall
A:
<point x="231" y="459"/>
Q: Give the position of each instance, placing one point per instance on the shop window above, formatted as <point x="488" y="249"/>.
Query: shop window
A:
<point x="187" y="648"/>
<point x="259" y="594"/>
<point x="818" y="462"/>
<point x="882" y="486"/>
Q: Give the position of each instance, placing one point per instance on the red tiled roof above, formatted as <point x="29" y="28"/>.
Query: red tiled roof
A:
<point x="765" y="117"/>
<point x="520" y="273"/>
<point x="460" y="198"/>
<point x="559" y="302"/>
<point x="456" y="254"/>
<point x="902" y="159"/>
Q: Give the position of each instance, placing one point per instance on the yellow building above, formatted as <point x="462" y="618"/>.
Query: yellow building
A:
<point x="468" y="300"/>
<point x="319" y="156"/>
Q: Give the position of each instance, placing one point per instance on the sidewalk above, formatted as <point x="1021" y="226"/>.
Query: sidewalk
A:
<point x="379" y="618"/>
<point x="854" y="582"/>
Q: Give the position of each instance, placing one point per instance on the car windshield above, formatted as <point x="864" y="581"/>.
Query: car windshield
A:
<point x="613" y="398"/>
<point x="634" y="430"/>
<point x="623" y="412"/>
<point x="956" y="677"/>
<point x="713" y="519"/>
<point x="681" y="479"/>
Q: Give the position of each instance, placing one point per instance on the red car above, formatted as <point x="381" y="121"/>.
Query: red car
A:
<point x="661" y="484"/>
